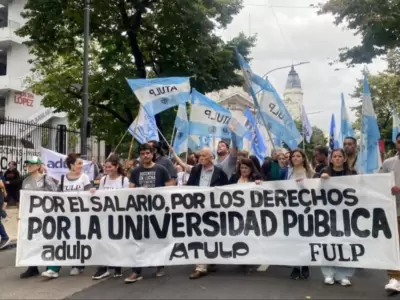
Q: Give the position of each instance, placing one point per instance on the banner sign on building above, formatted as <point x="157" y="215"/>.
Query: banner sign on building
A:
<point x="344" y="221"/>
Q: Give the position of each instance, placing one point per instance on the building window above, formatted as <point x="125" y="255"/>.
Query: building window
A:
<point x="3" y="101"/>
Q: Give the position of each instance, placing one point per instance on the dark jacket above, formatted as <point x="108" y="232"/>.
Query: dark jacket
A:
<point x="218" y="178"/>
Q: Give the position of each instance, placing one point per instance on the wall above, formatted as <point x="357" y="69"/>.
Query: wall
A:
<point x="14" y="11"/>
<point x="293" y="100"/>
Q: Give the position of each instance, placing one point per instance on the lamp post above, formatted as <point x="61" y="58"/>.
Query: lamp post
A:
<point x="286" y="67"/>
<point x="85" y="87"/>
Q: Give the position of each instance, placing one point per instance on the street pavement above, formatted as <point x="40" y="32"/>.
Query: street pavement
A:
<point x="229" y="282"/>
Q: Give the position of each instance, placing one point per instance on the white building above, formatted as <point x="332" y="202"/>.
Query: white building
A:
<point x="26" y="125"/>
<point x="237" y="100"/>
<point x="293" y="94"/>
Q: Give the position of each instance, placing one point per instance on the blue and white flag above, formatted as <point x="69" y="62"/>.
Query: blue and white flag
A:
<point x="182" y="130"/>
<point x="333" y="142"/>
<point x="159" y="94"/>
<point x="208" y="118"/>
<point x="396" y="124"/>
<point x="258" y="146"/>
<point x="370" y="134"/>
<point x="144" y="128"/>
<point x="196" y="143"/>
<point x="346" y="129"/>
<point x="307" y="129"/>
<point x="272" y="112"/>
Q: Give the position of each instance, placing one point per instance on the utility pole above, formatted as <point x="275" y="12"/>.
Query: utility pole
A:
<point x="85" y="87"/>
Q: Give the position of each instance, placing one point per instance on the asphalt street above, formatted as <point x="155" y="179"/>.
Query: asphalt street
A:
<point x="229" y="282"/>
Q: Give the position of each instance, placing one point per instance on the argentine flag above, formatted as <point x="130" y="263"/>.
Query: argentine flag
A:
<point x="144" y="128"/>
<point x="346" y="129"/>
<point x="370" y="134"/>
<point x="159" y="94"/>
<point x="182" y="130"/>
<point x="208" y="118"/>
<point x="396" y="124"/>
<point x="272" y="111"/>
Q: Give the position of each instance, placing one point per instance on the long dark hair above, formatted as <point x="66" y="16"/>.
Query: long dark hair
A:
<point x="254" y="174"/>
<point x="306" y="165"/>
<point x="256" y="163"/>
<point x="114" y="160"/>
<point x="346" y="167"/>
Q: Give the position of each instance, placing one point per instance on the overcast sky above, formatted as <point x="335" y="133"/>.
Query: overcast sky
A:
<point x="286" y="35"/>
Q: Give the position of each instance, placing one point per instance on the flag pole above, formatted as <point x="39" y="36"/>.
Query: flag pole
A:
<point x="254" y="96"/>
<point x="172" y="139"/>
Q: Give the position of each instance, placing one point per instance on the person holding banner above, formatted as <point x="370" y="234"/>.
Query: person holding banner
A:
<point x="148" y="175"/>
<point x="393" y="165"/>
<point x="160" y="158"/>
<point x="236" y="175"/>
<point x="74" y="180"/>
<point x="36" y="181"/>
<point x="299" y="170"/>
<point x="115" y="179"/>
<point x="210" y="175"/>
<point x="337" y="167"/>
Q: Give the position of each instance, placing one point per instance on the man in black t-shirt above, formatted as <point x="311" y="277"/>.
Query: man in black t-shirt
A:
<point x="150" y="175"/>
<point x="321" y="156"/>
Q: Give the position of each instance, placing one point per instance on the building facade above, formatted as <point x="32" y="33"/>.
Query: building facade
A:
<point x="293" y="94"/>
<point x="25" y="124"/>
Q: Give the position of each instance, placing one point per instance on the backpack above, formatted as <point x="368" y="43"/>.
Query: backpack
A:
<point x="122" y="180"/>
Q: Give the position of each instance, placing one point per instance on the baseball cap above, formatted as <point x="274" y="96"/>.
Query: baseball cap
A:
<point x="34" y="160"/>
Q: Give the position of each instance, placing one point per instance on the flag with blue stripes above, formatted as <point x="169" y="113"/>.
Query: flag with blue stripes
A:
<point x="258" y="146"/>
<point x="333" y="142"/>
<point x="370" y="134"/>
<point x="182" y="130"/>
<point x="307" y="129"/>
<point x="272" y="112"/>
<point x="208" y="118"/>
<point x="396" y="124"/>
<point x="144" y="127"/>
<point x="159" y="94"/>
<point x="346" y="129"/>
<point x="196" y="143"/>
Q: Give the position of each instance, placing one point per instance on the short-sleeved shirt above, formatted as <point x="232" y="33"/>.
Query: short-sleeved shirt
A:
<point x="82" y="183"/>
<point x="228" y="165"/>
<point x="106" y="183"/>
<point x="43" y="183"/>
<point x="155" y="176"/>
<point x="166" y="163"/>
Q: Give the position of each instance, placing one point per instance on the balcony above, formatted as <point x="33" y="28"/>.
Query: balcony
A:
<point x="8" y="35"/>
<point x="9" y="83"/>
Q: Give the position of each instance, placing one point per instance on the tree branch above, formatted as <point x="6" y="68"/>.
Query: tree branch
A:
<point x="132" y="26"/>
<point x="114" y="113"/>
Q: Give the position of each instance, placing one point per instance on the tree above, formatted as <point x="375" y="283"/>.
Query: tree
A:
<point x="317" y="139"/>
<point x="129" y="39"/>
<point x="384" y="88"/>
<point x="376" y="21"/>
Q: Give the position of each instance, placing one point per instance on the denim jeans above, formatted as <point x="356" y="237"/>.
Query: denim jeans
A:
<point x="139" y="270"/>
<point x="3" y="233"/>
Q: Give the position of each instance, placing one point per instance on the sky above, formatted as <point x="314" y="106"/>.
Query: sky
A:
<point x="286" y="34"/>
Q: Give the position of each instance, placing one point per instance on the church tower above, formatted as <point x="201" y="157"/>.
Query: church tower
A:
<point x="293" y="94"/>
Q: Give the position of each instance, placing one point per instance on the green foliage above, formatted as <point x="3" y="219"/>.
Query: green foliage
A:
<point x="317" y="139"/>
<point x="384" y="88"/>
<point x="129" y="39"/>
<point x="376" y="21"/>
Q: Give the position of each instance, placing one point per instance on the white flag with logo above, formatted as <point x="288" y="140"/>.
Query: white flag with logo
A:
<point x="56" y="166"/>
<point x="144" y="128"/>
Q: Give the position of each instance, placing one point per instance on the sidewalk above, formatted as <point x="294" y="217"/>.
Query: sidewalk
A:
<point x="11" y="223"/>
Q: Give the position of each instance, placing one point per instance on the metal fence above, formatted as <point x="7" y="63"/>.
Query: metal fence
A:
<point x="20" y="140"/>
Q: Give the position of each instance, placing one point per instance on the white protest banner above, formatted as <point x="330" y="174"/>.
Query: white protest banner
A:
<point x="344" y="221"/>
<point x="56" y="167"/>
